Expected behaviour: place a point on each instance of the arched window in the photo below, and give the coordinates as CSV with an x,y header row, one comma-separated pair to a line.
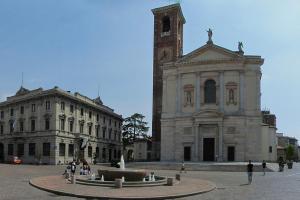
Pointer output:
x,y
166,24
210,91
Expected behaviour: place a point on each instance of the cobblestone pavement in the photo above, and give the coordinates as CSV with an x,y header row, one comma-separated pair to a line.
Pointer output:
x,y
230,185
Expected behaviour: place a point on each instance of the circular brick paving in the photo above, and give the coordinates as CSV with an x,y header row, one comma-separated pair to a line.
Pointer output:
x,y
186,187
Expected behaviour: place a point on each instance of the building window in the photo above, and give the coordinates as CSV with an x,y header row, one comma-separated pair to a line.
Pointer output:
x,y
20,150
90,151
2,114
71,108
270,149
10,149
71,150
115,153
71,126
62,124
32,125
103,153
166,24
31,149
210,91
1,129
46,149
90,114
62,106
110,122
115,135
62,149
11,126
47,105
119,153
47,124
97,153
81,111
81,128
104,120
109,133
22,110
11,112
90,129
21,126
103,132
115,123
97,130
97,117
33,108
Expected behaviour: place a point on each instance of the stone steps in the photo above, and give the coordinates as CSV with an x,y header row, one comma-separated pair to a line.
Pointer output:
x,y
226,167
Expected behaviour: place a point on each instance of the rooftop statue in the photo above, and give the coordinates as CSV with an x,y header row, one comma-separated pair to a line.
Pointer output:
x,y
209,33
240,47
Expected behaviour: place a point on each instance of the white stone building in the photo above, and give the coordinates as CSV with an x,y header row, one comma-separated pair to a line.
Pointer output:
x,y
48,126
210,97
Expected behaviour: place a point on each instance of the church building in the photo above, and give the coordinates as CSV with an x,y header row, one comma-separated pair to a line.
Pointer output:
x,y
206,104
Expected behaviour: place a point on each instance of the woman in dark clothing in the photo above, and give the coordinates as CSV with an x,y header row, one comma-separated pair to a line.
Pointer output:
x,y
250,172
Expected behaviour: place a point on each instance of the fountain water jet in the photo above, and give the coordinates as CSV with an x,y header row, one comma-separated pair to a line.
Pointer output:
x,y
122,163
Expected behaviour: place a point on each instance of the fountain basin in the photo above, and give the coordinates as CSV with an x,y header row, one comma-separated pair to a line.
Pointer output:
x,y
128,174
85,180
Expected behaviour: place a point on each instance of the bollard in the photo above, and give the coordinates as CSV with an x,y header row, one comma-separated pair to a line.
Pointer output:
x,y
170,181
118,183
73,179
178,177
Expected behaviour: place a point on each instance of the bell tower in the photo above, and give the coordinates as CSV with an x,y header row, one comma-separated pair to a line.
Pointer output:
x,y
168,40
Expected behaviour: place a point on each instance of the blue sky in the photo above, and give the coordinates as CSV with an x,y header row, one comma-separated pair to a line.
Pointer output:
x,y
80,44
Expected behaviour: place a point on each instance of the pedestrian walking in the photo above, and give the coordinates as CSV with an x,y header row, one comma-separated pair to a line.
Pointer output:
x,y
250,172
182,167
73,167
264,165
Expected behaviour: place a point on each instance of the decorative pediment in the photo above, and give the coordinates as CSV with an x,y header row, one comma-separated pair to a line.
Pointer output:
x,y
208,53
208,114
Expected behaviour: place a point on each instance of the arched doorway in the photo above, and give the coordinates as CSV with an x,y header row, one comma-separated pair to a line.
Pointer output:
x,y
1,152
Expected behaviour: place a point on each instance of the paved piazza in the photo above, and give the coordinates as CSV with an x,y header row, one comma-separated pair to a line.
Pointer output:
x,y
14,183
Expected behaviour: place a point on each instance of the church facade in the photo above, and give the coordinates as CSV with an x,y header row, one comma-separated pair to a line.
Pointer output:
x,y
210,98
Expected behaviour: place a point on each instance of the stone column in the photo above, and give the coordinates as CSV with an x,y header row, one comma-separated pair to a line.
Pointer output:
x,y
221,82
200,144
196,142
258,78
220,156
178,94
242,79
198,100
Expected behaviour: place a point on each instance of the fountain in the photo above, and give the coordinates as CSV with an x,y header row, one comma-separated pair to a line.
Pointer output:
x,y
128,174
129,177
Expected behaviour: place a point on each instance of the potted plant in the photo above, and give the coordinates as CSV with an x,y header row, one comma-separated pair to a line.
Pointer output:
x,y
289,156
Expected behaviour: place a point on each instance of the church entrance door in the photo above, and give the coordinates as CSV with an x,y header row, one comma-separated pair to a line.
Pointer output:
x,y
187,153
208,149
1,152
230,153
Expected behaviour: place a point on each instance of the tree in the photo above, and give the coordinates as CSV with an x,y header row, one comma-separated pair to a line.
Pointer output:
x,y
290,152
134,127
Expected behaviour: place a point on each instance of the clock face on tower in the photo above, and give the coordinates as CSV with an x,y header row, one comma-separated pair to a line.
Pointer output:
x,y
165,54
